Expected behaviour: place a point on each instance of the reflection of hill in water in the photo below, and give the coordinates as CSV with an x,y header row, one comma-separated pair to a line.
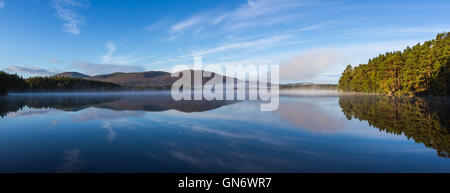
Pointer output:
x,y
141,102
426,120
161,103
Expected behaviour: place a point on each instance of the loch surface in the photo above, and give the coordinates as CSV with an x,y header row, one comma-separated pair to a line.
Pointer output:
x,y
150,132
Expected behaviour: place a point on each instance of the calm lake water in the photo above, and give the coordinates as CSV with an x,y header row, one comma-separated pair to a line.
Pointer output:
x,y
149,132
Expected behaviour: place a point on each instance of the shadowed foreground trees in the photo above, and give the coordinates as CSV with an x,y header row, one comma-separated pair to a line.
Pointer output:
x,y
15,83
422,69
424,119
10,82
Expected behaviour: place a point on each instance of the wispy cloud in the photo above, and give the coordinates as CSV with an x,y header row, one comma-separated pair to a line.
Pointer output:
x,y
66,12
164,22
263,8
187,23
110,58
31,70
111,49
110,63
240,45
253,13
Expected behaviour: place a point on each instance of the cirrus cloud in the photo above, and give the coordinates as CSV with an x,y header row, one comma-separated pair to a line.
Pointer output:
x,y
66,12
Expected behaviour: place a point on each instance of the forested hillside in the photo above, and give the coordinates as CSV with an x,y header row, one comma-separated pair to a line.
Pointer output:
x,y
422,69
15,83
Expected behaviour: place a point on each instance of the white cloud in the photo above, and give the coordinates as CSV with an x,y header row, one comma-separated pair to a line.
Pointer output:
x,y
31,70
65,11
311,64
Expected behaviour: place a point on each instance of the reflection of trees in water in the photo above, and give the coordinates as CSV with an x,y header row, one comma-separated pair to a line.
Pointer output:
x,y
426,120
141,102
67,103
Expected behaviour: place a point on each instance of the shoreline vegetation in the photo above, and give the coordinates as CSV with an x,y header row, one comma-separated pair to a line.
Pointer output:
x,y
421,70
15,83
77,82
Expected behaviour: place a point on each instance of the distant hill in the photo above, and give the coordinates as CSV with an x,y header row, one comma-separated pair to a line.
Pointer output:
x,y
150,78
164,80
71,75
309,86
146,80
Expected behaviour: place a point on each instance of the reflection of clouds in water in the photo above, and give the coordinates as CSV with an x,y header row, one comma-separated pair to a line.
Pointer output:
x,y
248,111
205,158
303,111
30,113
53,124
72,161
116,119
233,158
102,114
308,92
120,124
240,134
189,158
229,152
310,117
111,133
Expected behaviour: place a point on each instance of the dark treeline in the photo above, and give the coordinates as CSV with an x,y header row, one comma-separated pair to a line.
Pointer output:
x,y
9,82
15,83
424,119
422,69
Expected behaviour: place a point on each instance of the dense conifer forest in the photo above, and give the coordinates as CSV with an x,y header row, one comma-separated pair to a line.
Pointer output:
x,y
421,70
15,83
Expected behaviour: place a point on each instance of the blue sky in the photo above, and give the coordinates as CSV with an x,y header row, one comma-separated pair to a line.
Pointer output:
x,y
312,41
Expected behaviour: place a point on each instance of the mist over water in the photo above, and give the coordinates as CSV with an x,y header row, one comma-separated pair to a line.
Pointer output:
x,y
311,131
